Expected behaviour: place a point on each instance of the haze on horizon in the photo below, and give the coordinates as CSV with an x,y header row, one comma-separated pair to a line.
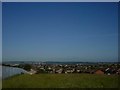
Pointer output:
x,y
60,31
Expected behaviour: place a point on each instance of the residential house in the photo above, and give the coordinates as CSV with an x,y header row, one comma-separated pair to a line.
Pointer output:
x,y
99,72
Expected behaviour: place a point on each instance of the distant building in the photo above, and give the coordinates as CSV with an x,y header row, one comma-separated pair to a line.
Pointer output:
x,y
59,71
118,72
32,72
70,70
99,72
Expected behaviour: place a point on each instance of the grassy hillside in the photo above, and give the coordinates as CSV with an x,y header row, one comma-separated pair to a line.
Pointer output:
x,y
61,81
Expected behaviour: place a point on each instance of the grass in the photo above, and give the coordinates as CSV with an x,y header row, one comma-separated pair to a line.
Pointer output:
x,y
61,81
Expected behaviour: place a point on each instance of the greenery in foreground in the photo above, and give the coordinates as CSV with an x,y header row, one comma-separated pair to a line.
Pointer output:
x,y
61,81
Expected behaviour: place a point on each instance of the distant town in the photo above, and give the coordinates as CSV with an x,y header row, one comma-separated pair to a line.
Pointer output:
x,y
71,67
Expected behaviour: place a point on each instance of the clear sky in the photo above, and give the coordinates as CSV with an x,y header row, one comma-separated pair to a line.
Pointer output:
x,y
60,31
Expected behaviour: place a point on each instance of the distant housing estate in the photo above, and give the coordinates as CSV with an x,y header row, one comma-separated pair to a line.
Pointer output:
x,y
37,68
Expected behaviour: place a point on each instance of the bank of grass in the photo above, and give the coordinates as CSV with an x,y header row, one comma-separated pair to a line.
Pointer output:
x,y
61,81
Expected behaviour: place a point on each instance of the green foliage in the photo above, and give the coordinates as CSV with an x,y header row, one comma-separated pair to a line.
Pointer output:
x,y
61,81
27,67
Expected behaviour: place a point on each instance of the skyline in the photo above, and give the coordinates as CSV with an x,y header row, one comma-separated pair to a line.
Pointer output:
x,y
85,31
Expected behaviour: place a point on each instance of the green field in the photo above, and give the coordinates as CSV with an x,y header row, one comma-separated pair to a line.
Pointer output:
x,y
61,81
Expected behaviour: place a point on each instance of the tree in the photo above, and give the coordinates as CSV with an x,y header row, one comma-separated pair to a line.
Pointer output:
x,y
40,71
27,67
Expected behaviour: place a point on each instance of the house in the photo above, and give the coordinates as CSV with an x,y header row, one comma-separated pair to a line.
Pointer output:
x,y
92,71
70,70
99,72
32,72
78,70
118,72
108,71
59,71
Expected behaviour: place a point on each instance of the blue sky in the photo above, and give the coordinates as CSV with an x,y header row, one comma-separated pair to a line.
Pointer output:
x,y
60,31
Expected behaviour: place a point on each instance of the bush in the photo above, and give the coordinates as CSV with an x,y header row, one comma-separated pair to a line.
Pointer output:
x,y
27,67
